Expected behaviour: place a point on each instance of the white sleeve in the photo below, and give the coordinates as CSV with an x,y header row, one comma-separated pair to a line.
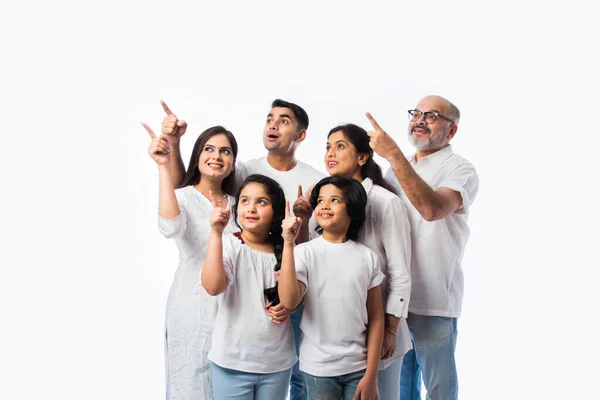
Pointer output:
x,y
174,227
376,275
465,181
395,236
300,259
229,258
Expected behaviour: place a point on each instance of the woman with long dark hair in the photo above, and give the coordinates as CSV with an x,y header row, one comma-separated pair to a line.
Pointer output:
x,y
184,215
386,231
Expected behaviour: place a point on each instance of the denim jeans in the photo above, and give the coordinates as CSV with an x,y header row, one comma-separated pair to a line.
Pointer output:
x,y
332,387
410,377
434,341
239,385
297,391
388,381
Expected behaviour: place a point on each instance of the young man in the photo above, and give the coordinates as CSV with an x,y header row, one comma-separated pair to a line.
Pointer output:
x,y
438,187
285,128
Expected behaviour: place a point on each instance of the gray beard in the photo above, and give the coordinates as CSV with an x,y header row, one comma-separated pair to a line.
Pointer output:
x,y
429,144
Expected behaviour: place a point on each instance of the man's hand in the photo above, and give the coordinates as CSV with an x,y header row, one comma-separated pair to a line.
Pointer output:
x,y
172,127
381,142
302,207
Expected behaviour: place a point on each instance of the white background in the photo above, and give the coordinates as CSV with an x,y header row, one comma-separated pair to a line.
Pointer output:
x,y
85,273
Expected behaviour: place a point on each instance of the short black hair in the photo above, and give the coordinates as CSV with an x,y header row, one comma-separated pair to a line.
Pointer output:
x,y
299,113
355,197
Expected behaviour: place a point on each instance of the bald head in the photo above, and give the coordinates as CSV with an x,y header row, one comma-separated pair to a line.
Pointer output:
x,y
444,106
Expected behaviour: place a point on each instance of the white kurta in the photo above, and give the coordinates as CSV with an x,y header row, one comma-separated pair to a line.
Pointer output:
x,y
190,312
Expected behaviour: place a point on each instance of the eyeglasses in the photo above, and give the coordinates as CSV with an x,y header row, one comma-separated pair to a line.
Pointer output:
x,y
430,116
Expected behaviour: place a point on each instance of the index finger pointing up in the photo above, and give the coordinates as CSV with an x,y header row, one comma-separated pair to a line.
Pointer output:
x,y
372,121
167,109
149,130
287,208
299,190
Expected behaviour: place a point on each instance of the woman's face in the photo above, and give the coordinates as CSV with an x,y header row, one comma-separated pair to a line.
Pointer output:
x,y
342,157
216,158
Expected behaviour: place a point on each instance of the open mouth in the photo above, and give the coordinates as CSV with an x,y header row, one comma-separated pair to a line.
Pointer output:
x,y
272,136
214,166
326,215
331,164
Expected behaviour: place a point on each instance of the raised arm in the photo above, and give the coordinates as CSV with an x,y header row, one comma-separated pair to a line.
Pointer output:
x,y
431,204
213,277
173,129
291,291
159,150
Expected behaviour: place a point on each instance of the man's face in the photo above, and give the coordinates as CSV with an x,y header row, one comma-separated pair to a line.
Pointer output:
x,y
430,136
280,131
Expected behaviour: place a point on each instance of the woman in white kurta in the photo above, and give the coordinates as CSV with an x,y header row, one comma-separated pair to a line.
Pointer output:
x,y
184,214
387,232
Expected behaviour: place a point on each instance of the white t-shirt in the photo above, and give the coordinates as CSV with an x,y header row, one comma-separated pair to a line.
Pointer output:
x,y
334,324
244,337
438,246
386,231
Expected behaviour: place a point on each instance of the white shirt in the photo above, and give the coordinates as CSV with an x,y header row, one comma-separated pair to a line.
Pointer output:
x,y
386,231
334,324
438,246
244,338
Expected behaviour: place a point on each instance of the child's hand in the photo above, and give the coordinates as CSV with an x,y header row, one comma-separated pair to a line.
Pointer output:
x,y
366,390
159,147
219,218
290,225
279,314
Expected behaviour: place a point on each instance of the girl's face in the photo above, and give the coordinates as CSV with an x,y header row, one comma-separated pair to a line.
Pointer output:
x,y
216,158
331,212
341,157
255,212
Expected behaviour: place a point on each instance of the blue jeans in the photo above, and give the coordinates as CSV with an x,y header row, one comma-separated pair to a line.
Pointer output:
x,y
410,377
434,341
388,384
333,387
297,391
239,385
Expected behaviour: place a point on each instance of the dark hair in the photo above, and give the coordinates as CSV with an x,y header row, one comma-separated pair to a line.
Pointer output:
x,y
355,197
275,193
299,113
192,175
360,139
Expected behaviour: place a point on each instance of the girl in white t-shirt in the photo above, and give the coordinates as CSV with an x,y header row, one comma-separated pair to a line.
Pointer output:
x,y
252,343
339,280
